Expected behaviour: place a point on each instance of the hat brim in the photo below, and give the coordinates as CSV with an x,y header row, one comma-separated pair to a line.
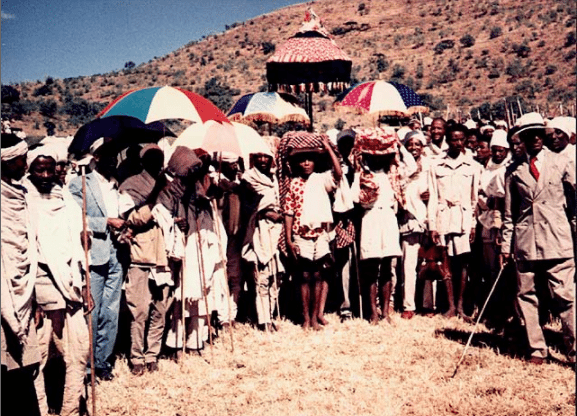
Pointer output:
x,y
528,127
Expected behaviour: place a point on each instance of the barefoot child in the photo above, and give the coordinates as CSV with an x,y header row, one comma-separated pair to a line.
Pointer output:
x,y
308,214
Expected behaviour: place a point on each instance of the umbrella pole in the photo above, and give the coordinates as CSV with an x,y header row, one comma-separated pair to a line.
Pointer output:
x,y
88,290
310,108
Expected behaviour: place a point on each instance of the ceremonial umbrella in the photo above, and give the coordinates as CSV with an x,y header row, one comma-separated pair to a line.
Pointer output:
x,y
161,103
124,130
212,137
308,62
380,98
270,107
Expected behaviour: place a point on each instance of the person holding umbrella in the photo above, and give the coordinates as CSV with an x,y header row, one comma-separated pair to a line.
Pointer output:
x,y
104,207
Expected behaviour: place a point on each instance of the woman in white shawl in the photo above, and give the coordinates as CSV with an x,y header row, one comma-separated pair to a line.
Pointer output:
x,y
261,242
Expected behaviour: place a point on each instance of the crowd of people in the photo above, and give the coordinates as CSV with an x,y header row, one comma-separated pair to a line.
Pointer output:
x,y
365,222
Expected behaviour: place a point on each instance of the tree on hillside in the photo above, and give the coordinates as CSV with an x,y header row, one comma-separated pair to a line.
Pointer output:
x,y
219,93
9,94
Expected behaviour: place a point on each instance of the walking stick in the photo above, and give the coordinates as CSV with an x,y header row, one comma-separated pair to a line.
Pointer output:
x,y
204,285
358,277
223,257
478,320
88,290
182,311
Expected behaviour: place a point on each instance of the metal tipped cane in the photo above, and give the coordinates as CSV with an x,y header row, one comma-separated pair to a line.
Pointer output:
x,y
478,320
88,290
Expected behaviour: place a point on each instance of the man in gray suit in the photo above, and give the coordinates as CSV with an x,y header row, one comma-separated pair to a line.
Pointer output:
x,y
104,206
537,231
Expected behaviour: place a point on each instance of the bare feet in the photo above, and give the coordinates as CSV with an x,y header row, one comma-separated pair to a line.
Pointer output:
x,y
315,325
307,325
322,320
464,317
388,320
374,320
450,313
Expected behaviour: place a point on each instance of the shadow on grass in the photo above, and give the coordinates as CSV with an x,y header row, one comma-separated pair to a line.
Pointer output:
x,y
512,343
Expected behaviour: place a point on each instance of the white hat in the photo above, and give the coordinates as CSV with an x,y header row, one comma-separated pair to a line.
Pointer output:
x,y
529,121
501,123
470,124
559,123
571,123
427,121
499,139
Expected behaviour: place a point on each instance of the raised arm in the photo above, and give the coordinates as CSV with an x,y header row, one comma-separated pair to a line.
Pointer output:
x,y
337,170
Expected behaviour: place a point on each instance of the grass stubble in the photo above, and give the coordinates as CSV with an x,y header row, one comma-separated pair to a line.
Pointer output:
x,y
349,368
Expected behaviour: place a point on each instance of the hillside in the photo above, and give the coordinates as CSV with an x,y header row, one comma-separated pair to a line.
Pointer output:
x,y
462,54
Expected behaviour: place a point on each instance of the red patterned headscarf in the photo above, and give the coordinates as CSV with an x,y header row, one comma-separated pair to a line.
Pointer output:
x,y
377,141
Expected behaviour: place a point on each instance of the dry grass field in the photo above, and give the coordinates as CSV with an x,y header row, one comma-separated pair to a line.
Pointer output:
x,y
349,368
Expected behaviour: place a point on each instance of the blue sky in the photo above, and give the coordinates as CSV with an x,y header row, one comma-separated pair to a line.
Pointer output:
x,y
69,38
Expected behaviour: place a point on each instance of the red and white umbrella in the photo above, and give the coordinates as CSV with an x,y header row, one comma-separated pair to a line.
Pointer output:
x,y
212,137
380,98
162,103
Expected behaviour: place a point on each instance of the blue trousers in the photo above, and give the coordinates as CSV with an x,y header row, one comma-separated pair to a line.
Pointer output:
x,y
106,288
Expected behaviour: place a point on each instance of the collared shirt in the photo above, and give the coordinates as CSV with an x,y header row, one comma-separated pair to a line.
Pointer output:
x,y
538,160
115,203
453,188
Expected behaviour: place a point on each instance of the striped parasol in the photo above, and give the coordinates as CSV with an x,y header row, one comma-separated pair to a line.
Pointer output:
x,y
270,107
381,98
161,103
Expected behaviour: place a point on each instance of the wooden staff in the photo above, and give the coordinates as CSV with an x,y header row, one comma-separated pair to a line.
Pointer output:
x,y
356,258
203,278
507,116
88,290
520,108
478,320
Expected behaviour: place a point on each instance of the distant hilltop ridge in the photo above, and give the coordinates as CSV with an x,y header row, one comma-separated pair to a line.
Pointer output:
x,y
464,57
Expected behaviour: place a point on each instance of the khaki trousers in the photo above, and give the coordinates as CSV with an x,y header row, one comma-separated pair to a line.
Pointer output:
x,y
410,244
148,304
559,275
68,330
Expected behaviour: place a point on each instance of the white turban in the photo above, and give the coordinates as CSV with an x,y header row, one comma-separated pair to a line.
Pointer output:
x,y
416,134
42,150
470,124
9,153
486,127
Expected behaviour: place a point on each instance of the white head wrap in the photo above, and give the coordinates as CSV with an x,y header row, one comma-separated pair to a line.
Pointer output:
x,y
416,134
486,127
43,150
9,153
499,139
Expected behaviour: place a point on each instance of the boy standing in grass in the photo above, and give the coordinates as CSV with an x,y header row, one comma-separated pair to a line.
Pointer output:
x,y
308,214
